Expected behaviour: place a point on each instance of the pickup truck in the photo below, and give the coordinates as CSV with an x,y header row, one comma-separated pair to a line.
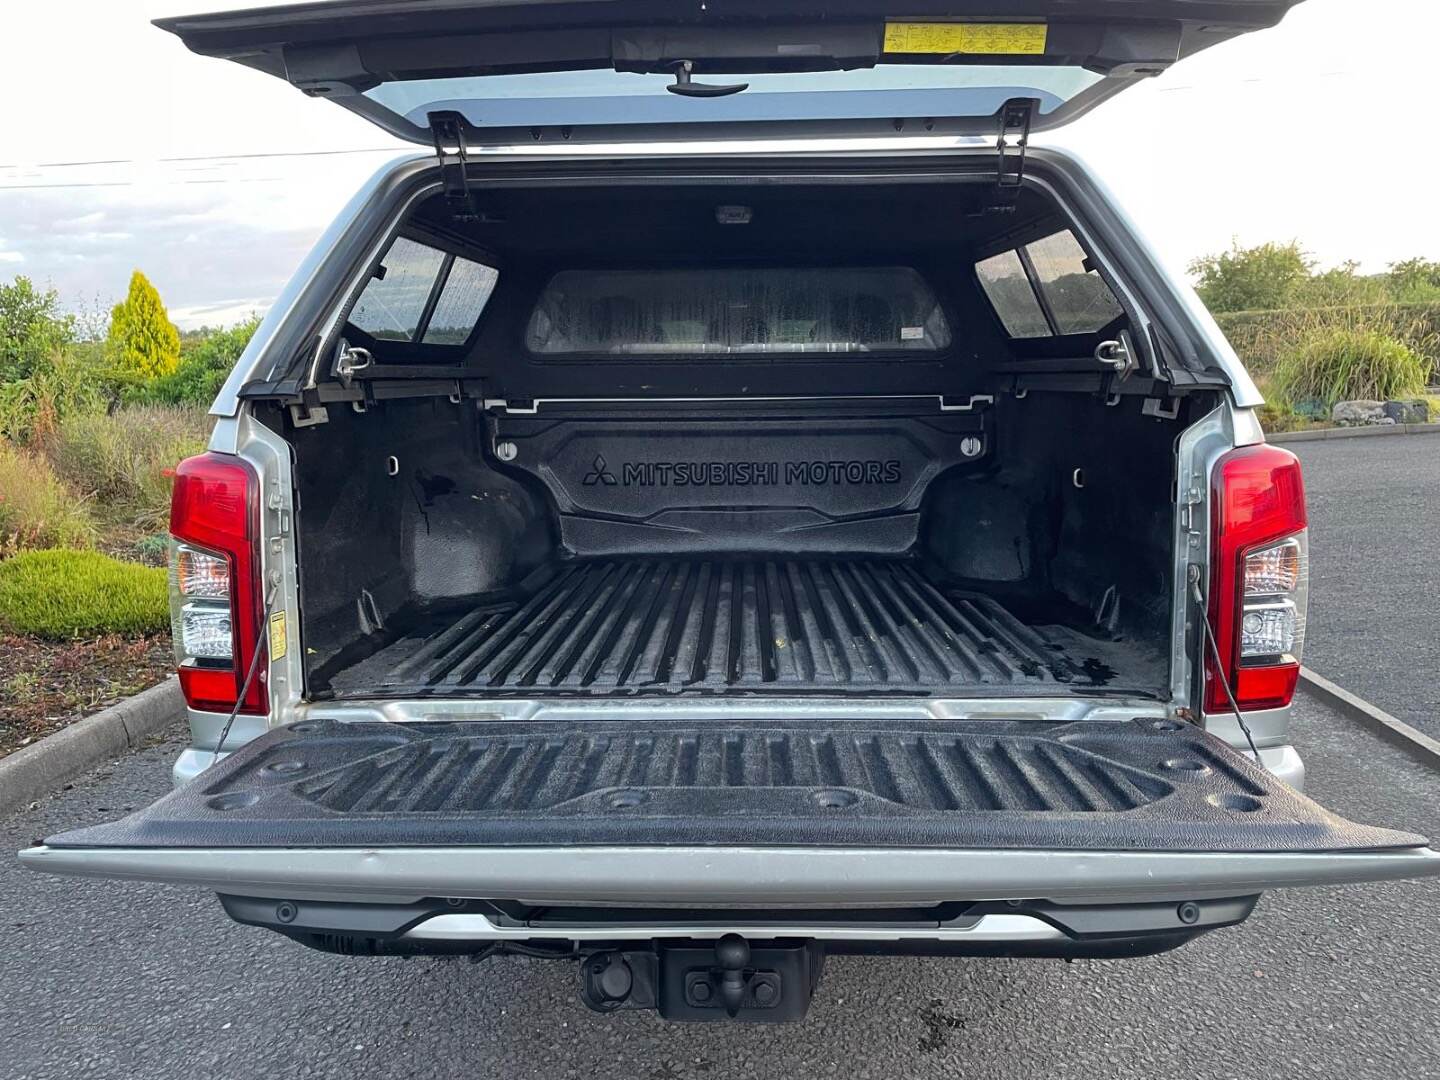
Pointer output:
x,y
731,499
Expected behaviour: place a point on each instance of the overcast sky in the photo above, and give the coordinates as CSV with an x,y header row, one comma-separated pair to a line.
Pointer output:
x,y
1321,130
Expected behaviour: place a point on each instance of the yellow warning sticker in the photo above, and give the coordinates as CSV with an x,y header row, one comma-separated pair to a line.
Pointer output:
x,y
1000,39
279,639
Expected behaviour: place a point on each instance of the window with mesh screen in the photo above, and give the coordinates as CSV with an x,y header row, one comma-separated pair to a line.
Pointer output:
x,y
1047,288
731,310
462,299
1079,298
1012,296
422,294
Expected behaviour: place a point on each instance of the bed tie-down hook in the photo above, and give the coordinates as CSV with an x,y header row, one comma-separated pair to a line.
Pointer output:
x,y
351,361
1117,354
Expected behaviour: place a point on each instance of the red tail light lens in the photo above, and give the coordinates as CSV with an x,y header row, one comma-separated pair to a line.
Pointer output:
x,y
215,597
1259,578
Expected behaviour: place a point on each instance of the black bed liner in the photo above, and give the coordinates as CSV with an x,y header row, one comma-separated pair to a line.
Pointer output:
x,y
647,625
1144,785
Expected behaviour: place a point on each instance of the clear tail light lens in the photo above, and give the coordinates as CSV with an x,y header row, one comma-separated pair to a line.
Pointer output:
x,y
1276,569
1259,578
203,632
215,600
199,574
1269,630
200,622
1276,594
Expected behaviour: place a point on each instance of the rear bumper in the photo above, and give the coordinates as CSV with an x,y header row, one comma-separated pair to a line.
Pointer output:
x,y
1285,764
748,876
1031,928
991,929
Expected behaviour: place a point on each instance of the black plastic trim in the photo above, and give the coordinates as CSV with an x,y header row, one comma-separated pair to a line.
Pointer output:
x,y
1091,930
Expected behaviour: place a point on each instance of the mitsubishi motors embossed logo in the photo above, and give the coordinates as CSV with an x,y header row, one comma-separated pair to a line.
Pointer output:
x,y
599,473
742,473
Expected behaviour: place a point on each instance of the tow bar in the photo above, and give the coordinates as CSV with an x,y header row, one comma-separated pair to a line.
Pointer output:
x,y
729,980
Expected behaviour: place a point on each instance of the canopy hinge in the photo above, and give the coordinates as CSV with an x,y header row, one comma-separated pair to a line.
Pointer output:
x,y
448,130
1014,121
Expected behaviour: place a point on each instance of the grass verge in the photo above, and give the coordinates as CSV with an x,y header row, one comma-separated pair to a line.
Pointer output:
x,y
45,685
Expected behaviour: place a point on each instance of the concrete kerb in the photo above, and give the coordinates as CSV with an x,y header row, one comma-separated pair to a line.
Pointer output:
x,y
1392,729
1316,434
45,766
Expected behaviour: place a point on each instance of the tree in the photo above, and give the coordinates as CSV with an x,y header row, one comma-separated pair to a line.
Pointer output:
x,y
32,328
1261,278
143,342
1340,286
1416,280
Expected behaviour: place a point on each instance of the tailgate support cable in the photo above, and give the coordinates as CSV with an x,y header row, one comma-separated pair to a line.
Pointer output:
x,y
251,673
1214,649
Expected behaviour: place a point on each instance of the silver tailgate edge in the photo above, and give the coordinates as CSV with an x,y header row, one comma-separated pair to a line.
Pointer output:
x,y
730,875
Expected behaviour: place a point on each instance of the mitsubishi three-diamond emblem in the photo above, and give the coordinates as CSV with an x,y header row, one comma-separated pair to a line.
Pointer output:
x,y
599,474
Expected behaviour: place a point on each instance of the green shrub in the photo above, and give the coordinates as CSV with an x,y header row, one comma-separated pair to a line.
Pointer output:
x,y
32,328
1277,416
1338,365
1242,279
61,594
124,459
1279,277
154,549
1414,281
70,380
1262,337
206,358
36,509
1341,286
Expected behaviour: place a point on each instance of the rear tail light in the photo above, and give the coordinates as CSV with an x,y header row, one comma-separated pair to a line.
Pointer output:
x,y
215,597
1259,578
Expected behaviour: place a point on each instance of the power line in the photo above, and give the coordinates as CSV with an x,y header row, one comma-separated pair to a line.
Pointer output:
x,y
19,177
1206,85
292,154
207,157
134,183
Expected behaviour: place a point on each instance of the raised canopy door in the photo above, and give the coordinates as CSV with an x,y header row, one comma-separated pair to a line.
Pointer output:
x,y
505,72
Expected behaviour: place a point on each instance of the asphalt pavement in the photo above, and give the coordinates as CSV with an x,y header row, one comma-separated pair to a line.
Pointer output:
x,y
121,980
1375,570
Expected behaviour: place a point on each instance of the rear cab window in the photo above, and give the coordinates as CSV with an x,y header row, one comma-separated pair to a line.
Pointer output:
x,y
1047,288
731,311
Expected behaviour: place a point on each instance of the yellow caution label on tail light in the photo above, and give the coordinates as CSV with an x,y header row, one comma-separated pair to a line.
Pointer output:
x,y
279,639
1000,39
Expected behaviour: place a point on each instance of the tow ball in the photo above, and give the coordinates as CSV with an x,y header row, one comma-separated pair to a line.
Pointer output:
x,y
729,984
697,981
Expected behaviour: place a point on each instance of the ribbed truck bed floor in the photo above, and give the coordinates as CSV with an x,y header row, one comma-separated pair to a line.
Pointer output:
x,y
676,625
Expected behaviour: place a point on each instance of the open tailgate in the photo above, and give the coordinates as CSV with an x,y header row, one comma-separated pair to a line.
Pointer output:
x,y
831,812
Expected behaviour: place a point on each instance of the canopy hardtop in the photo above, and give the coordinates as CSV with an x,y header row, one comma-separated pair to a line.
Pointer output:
x,y
524,71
